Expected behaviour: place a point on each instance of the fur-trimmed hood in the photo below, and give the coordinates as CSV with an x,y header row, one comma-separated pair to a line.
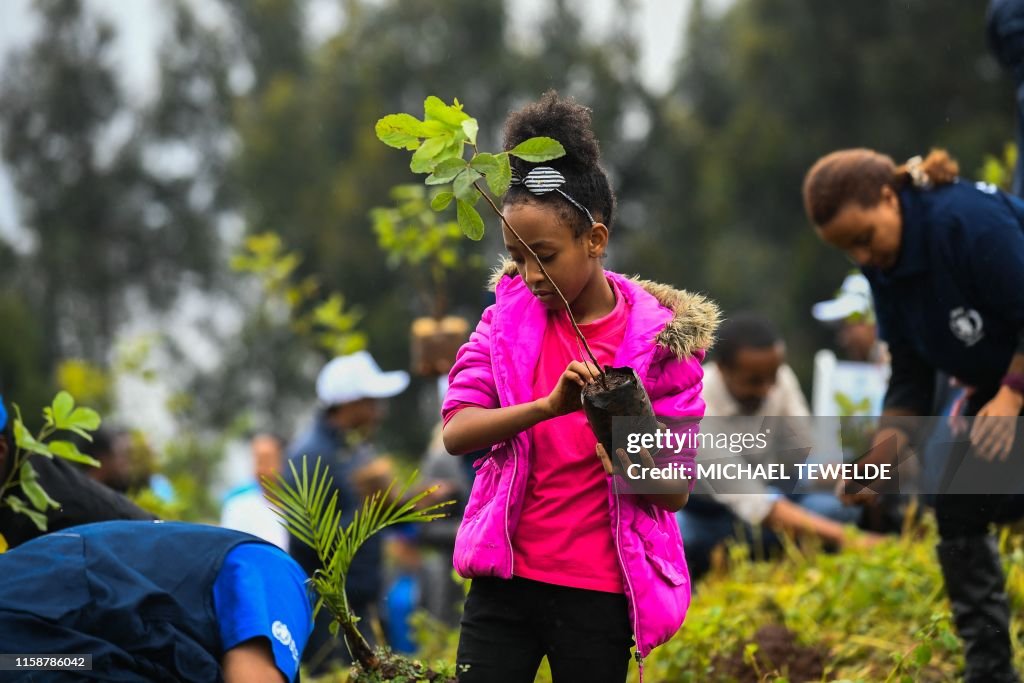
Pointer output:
x,y
692,327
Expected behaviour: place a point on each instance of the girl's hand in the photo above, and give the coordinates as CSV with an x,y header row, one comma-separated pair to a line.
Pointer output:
x,y
622,461
994,427
671,495
566,397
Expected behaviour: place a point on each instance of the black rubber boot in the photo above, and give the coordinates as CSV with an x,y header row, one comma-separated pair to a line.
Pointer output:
x,y
981,612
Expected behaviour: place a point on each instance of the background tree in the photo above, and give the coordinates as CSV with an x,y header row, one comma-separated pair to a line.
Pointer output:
x,y
120,199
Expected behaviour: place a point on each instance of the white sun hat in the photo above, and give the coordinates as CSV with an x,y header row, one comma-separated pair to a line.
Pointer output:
x,y
357,376
853,298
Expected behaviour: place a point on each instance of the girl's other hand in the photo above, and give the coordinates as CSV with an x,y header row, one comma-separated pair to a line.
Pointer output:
x,y
566,397
995,425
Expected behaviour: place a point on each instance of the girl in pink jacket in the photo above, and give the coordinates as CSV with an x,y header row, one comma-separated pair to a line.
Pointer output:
x,y
564,564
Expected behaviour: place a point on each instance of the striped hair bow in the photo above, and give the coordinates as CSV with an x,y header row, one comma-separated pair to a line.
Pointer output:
x,y
544,179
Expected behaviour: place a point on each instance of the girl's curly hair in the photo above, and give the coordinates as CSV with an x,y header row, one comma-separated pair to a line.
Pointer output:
x,y
569,122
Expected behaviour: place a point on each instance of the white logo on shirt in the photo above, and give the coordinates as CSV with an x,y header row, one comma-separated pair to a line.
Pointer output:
x,y
284,636
967,325
987,188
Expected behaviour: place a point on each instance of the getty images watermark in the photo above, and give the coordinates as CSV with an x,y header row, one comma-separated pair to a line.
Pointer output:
x,y
732,455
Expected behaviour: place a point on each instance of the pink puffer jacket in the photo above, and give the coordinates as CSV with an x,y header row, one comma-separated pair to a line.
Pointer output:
x,y
665,341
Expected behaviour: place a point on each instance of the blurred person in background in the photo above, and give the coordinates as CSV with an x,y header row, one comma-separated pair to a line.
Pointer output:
x,y
1005,31
863,372
350,390
945,259
420,573
113,450
245,508
440,594
749,375
750,378
82,499
853,387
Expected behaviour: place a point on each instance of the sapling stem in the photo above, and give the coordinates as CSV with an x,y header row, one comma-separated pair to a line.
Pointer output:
x,y
558,291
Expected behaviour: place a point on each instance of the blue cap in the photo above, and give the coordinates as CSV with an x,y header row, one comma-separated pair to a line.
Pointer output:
x,y
3,413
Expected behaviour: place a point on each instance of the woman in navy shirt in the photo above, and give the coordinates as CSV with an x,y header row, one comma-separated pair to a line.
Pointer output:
x,y
945,259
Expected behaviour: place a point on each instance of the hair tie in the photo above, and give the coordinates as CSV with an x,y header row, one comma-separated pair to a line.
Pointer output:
x,y
543,179
918,176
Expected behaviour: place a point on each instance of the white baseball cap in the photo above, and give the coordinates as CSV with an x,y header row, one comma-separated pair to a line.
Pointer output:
x,y
853,297
356,376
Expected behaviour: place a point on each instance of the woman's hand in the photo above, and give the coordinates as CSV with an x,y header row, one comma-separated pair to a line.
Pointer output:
x,y
886,447
565,398
995,425
851,493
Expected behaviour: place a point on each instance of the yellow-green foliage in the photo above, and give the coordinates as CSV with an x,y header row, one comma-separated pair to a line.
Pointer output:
x,y
881,614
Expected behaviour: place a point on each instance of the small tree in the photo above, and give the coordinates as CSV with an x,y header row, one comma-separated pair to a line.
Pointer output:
x,y
309,510
438,144
325,323
416,239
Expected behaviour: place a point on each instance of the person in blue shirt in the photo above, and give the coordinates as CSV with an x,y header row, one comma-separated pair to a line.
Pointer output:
x,y
155,601
945,259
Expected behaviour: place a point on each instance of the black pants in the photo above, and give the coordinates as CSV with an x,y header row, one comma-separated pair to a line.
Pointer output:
x,y
509,625
963,516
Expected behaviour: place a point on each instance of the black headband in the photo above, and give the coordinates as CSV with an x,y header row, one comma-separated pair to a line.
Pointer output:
x,y
543,179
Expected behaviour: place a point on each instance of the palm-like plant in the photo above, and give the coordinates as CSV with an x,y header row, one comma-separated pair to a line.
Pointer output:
x,y
309,510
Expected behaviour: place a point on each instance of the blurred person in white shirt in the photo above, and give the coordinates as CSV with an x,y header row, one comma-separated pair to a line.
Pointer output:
x,y
245,508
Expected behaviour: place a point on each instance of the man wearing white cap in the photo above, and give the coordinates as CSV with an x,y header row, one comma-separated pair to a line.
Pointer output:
x,y
861,378
350,390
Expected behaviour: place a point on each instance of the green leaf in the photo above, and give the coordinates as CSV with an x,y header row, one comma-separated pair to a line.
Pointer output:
x,y
423,158
29,481
538,149
470,127
69,451
84,418
486,163
432,129
446,171
922,654
63,404
26,442
399,130
499,182
452,116
18,505
470,222
441,201
464,188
